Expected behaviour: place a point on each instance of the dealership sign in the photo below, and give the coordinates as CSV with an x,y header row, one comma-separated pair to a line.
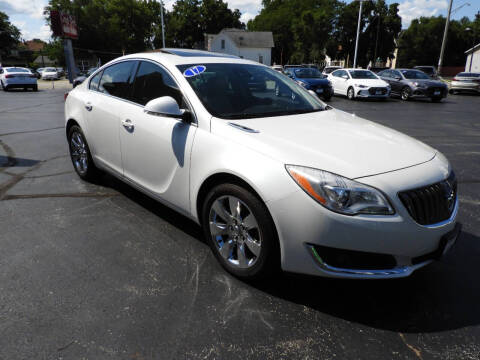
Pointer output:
x,y
63,24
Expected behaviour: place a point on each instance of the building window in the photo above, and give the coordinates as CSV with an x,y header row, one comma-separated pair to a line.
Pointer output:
x,y
223,44
260,59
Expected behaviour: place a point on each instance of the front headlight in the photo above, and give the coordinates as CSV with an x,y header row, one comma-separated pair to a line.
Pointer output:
x,y
361,86
340,194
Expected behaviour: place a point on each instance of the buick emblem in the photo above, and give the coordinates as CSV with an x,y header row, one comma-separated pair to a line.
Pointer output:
x,y
449,195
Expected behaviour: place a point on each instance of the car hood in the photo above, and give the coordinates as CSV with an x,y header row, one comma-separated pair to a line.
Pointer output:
x,y
330,140
370,82
314,81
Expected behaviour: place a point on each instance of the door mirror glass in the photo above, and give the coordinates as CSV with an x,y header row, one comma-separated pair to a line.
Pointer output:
x,y
166,106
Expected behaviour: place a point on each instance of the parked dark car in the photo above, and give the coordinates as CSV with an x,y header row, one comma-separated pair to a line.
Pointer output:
x,y
412,83
36,73
429,70
312,79
80,79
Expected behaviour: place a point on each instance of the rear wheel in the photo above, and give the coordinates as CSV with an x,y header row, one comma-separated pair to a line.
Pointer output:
x,y
351,93
406,93
35,88
4,88
240,231
80,154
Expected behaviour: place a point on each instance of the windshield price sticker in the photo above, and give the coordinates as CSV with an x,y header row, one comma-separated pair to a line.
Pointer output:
x,y
194,71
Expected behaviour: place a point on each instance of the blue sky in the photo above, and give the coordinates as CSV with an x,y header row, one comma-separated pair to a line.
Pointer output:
x,y
27,14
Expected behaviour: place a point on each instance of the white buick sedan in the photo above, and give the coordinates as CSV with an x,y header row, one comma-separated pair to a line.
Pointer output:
x,y
358,83
275,178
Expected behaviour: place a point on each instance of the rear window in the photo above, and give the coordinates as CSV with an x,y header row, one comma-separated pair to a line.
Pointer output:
x,y
468,75
17,70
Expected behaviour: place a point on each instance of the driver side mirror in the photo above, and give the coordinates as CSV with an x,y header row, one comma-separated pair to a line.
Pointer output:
x,y
167,106
345,77
397,77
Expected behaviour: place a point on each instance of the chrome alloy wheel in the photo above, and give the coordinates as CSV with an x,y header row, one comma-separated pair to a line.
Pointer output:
x,y
235,231
79,153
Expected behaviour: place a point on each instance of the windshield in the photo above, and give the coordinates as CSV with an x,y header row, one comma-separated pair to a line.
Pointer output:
x,y
242,91
20,70
362,74
414,74
308,73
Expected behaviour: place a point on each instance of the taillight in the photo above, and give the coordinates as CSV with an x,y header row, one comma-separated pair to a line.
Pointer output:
x,y
65,96
9,76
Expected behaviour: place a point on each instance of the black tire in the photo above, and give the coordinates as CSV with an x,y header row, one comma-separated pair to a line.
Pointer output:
x,y
25,89
436,99
351,93
89,172
268,260
35,88
451,91
405,93
4,88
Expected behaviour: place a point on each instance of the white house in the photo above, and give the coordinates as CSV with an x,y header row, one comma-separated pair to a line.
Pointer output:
x,y
473,59
251,45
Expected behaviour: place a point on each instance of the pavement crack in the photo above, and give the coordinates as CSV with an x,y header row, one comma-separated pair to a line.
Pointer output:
x,y
32,131
417,352
49,175
58,195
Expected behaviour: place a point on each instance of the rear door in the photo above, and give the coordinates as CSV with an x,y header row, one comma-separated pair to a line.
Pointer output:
x,y
396,81
102,108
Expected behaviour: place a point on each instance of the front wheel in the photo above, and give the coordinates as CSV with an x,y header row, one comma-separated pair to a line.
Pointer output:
x,y
406,93
241,232
351,93
80,154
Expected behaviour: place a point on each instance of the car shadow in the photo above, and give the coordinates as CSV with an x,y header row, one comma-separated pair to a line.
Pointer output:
x,y
442,296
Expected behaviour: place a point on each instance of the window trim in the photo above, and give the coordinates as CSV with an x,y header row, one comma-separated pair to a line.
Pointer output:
x,y
138,60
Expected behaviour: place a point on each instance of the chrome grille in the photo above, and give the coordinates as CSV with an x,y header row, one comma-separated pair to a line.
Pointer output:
x,y
433,203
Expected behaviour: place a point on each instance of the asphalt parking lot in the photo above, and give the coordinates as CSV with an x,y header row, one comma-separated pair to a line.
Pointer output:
x,y
103,272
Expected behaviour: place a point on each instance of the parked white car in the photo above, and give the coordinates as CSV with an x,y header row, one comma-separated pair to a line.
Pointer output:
x,y
358,83
50,73
17,77
274,178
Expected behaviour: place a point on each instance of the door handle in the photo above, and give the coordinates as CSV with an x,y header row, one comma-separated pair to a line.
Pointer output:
x,y
128,124
88,106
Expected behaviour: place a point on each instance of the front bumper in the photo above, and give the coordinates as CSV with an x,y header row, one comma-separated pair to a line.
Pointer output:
x,y
430,92
303,225
374,93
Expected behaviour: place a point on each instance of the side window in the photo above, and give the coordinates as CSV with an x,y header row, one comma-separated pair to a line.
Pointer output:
x,y
336,73
152,82
95,81
394,74
116,79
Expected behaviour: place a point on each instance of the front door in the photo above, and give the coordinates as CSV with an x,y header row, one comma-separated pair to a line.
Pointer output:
x,y
156,149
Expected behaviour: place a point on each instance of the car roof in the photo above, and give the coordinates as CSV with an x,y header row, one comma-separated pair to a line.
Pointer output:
x,y
186,56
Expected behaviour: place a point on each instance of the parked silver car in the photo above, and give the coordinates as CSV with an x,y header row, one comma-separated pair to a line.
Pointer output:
x,y
465,82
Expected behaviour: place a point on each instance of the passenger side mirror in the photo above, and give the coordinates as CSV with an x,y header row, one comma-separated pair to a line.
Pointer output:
x,y
397,77
167,106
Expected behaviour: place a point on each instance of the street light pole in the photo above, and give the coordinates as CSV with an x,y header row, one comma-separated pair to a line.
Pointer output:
x,y
444,42
358,33
163,24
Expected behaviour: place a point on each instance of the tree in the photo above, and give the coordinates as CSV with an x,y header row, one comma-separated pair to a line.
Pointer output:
x,y
301,28
112,27
9,35
420,43
191,19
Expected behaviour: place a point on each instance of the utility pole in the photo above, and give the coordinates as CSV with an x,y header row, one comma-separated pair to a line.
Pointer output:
x,y
163,24
444,42
358,33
